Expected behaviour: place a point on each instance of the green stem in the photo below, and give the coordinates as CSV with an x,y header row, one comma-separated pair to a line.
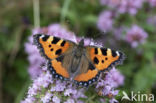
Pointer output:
x,y
36,13
22,92
65,10
1,93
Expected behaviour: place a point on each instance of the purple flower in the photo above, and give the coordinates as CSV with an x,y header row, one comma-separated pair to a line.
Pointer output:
x,y
46,98
105,21
56,99
113,100
152,2
136,35
123,6
60,86
118,33
115,77
152,20
59,31
69,91
108,82
29,100
102,100
47,88
70,101
34,58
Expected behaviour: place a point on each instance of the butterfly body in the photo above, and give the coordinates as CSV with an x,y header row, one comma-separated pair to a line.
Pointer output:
x,y
70,61
76,61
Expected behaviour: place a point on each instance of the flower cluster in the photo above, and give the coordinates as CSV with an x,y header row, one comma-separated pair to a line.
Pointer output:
x,y
34,58
136,35
105,21
108,82
124,6
46,89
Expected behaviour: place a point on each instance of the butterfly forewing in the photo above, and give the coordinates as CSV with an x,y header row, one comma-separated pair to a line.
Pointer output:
x,y
104,58
51,47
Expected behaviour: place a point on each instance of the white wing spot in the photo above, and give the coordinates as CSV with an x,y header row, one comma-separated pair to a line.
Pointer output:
x,y
117,53
42,36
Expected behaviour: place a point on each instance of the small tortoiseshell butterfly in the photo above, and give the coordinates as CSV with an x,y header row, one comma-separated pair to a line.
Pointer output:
x,y
68,60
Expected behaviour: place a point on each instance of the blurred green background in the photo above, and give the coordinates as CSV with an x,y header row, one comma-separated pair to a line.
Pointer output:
x,y
80,16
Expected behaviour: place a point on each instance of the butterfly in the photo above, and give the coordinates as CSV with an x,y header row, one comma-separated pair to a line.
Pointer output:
x,y
76,62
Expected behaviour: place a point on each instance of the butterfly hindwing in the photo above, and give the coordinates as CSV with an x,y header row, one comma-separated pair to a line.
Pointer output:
x,y
104,58
87,78
56,68
51,47
88,74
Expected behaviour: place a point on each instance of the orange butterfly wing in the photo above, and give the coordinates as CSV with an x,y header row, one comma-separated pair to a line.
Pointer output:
x,y
51,47
57,70
88,78
104,58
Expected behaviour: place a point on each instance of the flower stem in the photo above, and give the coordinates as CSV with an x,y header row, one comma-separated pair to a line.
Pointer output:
x,y
64,10
1,95
36,13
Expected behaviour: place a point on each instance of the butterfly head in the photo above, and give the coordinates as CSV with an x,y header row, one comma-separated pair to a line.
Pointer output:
x,y
81,43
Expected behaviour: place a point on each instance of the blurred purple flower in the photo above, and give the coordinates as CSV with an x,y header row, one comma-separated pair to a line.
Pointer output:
x,y
118,32
152,2
70,101
136,35
56,99
123,6
29,100
102,100
152,20
105,21
34,58
113,100
108,82
59,31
